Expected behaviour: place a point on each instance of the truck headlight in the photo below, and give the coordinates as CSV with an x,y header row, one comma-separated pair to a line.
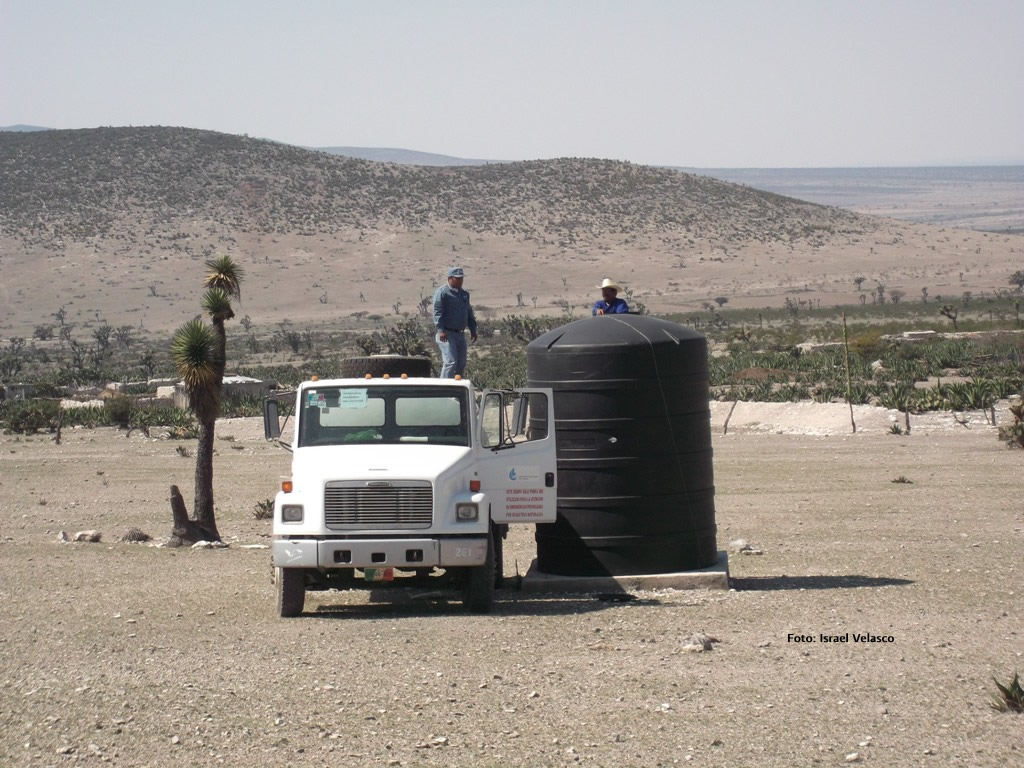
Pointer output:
x,y
291,513
467,511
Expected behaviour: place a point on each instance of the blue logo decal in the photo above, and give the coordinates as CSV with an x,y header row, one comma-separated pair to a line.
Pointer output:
x,y
512,474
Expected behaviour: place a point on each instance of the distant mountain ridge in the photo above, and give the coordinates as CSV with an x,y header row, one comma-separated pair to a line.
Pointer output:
x,y
23,128
402,156
97,182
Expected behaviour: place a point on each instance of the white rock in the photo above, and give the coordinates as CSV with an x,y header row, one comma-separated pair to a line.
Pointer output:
x,y
62,537
90,536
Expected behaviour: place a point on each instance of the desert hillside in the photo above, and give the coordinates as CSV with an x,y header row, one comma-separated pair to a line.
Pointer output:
x,y
98,182
115,223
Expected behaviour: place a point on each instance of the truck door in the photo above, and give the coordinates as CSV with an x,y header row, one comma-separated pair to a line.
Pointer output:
x,y
515,445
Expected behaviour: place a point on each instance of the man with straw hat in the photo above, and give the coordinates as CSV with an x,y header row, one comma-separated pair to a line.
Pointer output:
x,y
610,304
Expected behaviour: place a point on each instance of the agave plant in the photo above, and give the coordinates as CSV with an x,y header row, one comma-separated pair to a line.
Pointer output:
x,y
931,399
860,394
1011,696
957,395
790,393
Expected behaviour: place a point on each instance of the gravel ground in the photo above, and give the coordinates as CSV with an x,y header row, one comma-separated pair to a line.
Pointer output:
x,y
137,655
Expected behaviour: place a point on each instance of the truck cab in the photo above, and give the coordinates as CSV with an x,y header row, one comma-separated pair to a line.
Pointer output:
x,y
403,481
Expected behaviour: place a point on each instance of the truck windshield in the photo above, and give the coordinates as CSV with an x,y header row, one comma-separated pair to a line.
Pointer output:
x,y
382,415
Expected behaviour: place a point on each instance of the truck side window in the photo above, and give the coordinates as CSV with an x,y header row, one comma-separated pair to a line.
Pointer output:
x,y
528,419
491,420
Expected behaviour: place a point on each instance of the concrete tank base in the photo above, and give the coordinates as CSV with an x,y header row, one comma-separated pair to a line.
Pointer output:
x,y
712,577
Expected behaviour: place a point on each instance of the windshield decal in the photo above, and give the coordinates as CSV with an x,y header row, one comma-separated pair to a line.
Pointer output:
x,y
352,398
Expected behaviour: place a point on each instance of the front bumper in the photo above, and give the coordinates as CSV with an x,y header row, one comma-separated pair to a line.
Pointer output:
x,y
379,553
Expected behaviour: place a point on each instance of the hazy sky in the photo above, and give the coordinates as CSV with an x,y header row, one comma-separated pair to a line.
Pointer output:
x,y
703,83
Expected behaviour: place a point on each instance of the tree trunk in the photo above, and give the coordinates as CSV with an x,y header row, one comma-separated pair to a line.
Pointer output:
x,y
185,531
204,478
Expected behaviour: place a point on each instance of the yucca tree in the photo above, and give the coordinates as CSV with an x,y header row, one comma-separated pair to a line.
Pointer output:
x,y
223,282
194,351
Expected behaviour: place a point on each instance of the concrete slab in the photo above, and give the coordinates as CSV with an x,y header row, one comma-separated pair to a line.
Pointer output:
x,y
713,577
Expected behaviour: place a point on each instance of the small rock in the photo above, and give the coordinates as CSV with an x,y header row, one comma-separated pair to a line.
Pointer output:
x,y
440,741
62,537
738,545
90,536
264,546
764,644
882,710
175,739
698,643
853,757
751,551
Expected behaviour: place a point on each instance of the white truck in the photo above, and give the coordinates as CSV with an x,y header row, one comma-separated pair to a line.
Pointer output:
x,y
405,481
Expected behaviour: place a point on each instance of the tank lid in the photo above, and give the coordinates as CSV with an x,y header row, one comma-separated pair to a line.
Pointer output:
x,y
615,330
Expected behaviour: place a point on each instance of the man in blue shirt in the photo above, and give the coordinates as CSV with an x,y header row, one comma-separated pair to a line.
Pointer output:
x,y
610,304
453,315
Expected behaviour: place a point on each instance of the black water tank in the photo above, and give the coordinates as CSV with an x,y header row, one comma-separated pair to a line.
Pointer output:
x,y
633,434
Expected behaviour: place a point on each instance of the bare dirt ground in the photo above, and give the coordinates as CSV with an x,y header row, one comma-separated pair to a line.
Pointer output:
x,y
141,656
303,282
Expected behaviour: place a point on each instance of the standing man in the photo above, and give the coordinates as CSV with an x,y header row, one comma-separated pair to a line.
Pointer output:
x,y
610,304
452,316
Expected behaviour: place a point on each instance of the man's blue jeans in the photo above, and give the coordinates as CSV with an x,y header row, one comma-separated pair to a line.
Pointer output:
x,y
453,354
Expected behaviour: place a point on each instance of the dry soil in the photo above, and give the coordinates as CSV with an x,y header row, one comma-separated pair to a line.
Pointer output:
x,y
142,656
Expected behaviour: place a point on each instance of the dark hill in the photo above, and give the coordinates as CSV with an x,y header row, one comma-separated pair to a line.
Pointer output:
x,y
61,186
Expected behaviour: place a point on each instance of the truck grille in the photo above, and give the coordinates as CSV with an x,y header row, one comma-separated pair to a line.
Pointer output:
x,y
397,504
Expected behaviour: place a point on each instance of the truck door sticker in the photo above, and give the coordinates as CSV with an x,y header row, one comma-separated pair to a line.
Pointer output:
x,y
524,503
529,473
352,398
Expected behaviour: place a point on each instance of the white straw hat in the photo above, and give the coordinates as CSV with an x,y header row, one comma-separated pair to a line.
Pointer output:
x,y
609,283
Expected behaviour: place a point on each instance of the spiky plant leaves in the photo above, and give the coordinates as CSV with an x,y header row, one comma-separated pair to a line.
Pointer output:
x,y
217,304
1011,697
194,353
225,274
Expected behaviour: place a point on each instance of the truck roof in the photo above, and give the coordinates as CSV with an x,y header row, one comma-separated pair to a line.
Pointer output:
x,y
381,381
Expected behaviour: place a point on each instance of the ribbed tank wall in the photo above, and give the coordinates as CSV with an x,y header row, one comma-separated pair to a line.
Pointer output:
x,y
633,436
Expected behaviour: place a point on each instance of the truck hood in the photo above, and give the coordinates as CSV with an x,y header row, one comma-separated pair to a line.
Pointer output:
x,y
409,461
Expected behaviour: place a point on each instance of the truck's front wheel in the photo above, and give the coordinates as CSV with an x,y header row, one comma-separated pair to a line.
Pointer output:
x,y
479,589
291,591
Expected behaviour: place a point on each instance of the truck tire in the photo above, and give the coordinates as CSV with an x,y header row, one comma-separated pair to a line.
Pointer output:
x,y
291,591
392,365
479,588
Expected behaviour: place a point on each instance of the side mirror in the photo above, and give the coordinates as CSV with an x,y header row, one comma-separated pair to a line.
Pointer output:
x,y
271,420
